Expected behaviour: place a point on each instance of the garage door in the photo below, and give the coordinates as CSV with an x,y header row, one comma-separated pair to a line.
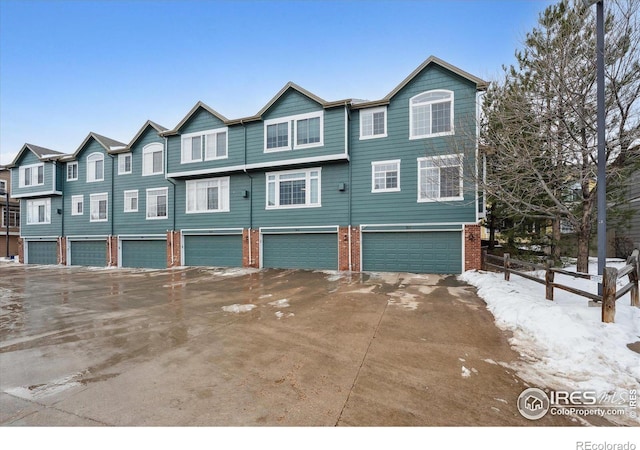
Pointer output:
x,y
214,251
415,252
42,252
88,253
151,254
300,251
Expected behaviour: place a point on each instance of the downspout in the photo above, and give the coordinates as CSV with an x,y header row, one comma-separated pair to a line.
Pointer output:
x,y
111,210
173,215
55,170
244,129
347,136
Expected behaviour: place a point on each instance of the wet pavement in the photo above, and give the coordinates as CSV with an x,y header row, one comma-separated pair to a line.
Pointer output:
x,y
214,347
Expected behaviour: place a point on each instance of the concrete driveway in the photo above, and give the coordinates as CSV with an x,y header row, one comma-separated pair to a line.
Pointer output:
x,y
207,347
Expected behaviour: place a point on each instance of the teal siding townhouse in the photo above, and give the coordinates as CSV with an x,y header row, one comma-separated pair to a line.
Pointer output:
x,y
305,183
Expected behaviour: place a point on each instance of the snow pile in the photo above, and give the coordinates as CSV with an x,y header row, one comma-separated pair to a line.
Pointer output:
x,y
282,303
564,343
237,308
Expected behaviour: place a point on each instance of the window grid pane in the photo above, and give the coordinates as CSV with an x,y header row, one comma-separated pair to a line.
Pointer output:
x,y
441,117
378,123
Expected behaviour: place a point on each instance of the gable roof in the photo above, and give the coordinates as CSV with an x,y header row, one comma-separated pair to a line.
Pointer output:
x,y
481,85
191,113
42,153
148,124
108,144
312,96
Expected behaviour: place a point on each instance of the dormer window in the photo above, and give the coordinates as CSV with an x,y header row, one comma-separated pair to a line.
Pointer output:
x,y
431,114
95,167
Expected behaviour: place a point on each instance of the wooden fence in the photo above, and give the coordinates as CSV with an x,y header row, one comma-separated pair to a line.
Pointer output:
x,y
610,291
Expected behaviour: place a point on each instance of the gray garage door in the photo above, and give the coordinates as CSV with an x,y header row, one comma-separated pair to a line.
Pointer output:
x,y
147,253
42,252
214,251
88,253
300,251
414,252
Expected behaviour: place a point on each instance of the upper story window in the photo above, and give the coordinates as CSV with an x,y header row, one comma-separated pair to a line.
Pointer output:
x,y
157,203
385,176
373,123
207,145
440,178
32,175
77,205
95,167
131,201
99,207
3,186
431,114
124,163
72,171
39,211
208,195
293,189
152,159
294,132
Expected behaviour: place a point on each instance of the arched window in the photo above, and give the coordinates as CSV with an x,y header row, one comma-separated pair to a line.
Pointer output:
x,y
431,114
95,167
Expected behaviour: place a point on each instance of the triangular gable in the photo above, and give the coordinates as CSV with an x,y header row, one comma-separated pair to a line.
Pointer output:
x,y
148,124
42,153
481,85
110,145
290,85
195,109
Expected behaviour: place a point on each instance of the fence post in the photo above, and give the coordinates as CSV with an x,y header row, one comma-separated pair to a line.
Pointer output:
x,y
548,281
634,259
609,279
483,259
507,266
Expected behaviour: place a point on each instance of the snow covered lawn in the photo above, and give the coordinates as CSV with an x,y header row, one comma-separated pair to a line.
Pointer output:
x,y
564,343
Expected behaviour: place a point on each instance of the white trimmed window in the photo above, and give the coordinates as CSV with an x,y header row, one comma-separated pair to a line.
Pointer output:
x,y
152,159
431,114
39,211
294,132
32,175
14,218
373,123
72,171
157,203
124,163
440,178
208,195
77,205
99,207
131,201
207,145
385,176
95,167
293,189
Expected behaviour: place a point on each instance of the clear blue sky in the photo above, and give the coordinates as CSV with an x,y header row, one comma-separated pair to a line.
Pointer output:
x,y
71,67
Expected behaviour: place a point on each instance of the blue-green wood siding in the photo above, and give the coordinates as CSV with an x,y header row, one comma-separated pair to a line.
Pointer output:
x,y
81,225
136,222
52,229
28,158
402,206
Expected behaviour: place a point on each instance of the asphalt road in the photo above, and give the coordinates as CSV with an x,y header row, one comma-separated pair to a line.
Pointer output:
x,y
213,347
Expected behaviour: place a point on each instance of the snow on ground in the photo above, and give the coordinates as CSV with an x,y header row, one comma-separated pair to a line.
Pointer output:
x,y
564,343
237,308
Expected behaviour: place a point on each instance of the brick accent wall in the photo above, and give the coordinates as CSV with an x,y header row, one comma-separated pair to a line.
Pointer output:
x,y
112,246
343,248
62,251
20,250
250,259
355,249
173,249
472,248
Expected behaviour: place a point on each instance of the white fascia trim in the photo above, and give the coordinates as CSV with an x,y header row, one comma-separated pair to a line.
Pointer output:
x,y
329,228
36,194
208,230
243,167
133,237
88,237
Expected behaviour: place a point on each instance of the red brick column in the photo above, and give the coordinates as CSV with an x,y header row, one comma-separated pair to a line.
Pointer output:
x,y
20,251
250,240
355,249
343,248
173,248
112,246
472,248
62,251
